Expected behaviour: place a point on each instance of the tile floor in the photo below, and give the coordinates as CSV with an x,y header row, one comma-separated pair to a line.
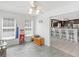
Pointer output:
x,y
32,50
66,46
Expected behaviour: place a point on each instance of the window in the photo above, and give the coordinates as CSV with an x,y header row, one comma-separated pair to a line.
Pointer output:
x,y
28,27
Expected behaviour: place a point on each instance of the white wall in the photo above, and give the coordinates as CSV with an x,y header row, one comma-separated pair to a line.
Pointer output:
x,y
65,11
19,18
43,28
20,22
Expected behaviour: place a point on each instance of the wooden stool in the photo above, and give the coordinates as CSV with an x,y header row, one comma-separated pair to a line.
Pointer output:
x,y
38,40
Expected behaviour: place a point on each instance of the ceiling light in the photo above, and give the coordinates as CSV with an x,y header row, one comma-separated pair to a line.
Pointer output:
x,y
34,10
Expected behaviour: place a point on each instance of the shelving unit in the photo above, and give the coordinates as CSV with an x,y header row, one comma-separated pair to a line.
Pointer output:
x,y
8,28
28,28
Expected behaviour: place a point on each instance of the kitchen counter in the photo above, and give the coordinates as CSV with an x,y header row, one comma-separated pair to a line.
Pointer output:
x,y
71,34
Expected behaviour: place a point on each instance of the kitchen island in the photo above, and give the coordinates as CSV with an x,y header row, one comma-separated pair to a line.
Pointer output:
x,y
70,34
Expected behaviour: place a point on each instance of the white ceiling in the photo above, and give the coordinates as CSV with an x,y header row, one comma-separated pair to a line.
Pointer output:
x,y
23,6
14,6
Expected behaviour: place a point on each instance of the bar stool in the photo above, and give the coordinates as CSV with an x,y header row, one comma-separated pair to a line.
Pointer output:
x,y
57,33
52,32
71,34
75,35
63,34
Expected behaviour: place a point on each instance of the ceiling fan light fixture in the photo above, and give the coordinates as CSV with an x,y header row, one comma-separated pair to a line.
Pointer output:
x,y
34,10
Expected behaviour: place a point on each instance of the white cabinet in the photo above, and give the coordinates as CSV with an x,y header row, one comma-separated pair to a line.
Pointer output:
x,y
8,28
